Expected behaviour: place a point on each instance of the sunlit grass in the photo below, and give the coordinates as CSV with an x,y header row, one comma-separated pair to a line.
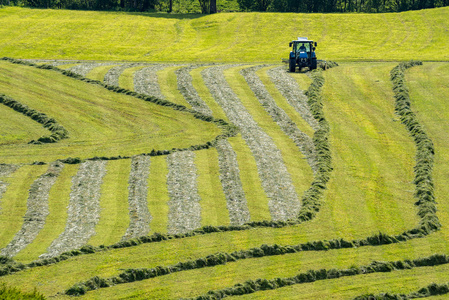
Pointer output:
x,y
223,37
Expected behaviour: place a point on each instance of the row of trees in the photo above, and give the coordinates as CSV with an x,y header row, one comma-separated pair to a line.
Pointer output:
x,y
210,6
370,6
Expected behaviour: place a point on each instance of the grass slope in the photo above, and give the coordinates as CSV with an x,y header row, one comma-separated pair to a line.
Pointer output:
x,y
224,37
370,191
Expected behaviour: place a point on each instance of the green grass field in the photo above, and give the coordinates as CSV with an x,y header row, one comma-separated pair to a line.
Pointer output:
x,y
371,187
227,37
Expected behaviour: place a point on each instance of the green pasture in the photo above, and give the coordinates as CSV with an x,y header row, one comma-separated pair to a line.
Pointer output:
x,y
99,122
223,37
370,190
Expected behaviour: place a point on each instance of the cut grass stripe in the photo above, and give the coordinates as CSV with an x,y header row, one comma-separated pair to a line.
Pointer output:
x,y
232,184
83,210
257,200
87,69
158,194
278,115
188,91
265,75
168,85
126,79
146,81
139,215
55,223
114,218
205,95
293,93
99,71
213,201
14,200
37,210
185,210
112,77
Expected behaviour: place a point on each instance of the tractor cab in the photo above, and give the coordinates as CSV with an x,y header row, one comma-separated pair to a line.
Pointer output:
x,y
302,54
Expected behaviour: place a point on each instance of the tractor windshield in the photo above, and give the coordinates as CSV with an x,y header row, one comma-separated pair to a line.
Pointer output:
x,y
302,47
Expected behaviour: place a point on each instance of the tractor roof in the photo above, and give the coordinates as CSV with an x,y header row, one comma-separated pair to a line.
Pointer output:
x,y
302,40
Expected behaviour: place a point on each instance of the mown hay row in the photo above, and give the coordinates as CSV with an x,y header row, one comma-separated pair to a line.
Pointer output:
x,y
302,140
113,75
424,187
37,210
84,68
146,81
276,180
432,289
312,199
139,214
52,62
184,208
289,88
252,286
232,185
188,91
83,211
227,159
57,131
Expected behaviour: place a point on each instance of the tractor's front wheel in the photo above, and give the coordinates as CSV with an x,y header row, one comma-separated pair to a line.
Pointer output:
x,y
292,65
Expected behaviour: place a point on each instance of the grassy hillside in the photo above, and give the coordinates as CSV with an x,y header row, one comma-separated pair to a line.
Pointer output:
x,y
224,37
371,187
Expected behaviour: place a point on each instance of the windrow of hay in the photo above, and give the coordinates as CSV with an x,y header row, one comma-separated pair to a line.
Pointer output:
x,y
146,81
139,214
227,159
276,181
252,286
113,74
433,289
184,206
302,140
84,68
57,131
188,91
83,211
232,184
289,88
8,292
424,187
37,210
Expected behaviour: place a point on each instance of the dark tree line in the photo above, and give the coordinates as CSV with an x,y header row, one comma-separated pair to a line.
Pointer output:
x,y
210,6
127,5
370,6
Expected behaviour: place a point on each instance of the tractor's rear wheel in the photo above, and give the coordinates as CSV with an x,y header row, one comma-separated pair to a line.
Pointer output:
x,y
314,64
292,65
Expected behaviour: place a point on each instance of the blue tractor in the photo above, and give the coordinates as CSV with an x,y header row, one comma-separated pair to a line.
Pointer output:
x,y
302,54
